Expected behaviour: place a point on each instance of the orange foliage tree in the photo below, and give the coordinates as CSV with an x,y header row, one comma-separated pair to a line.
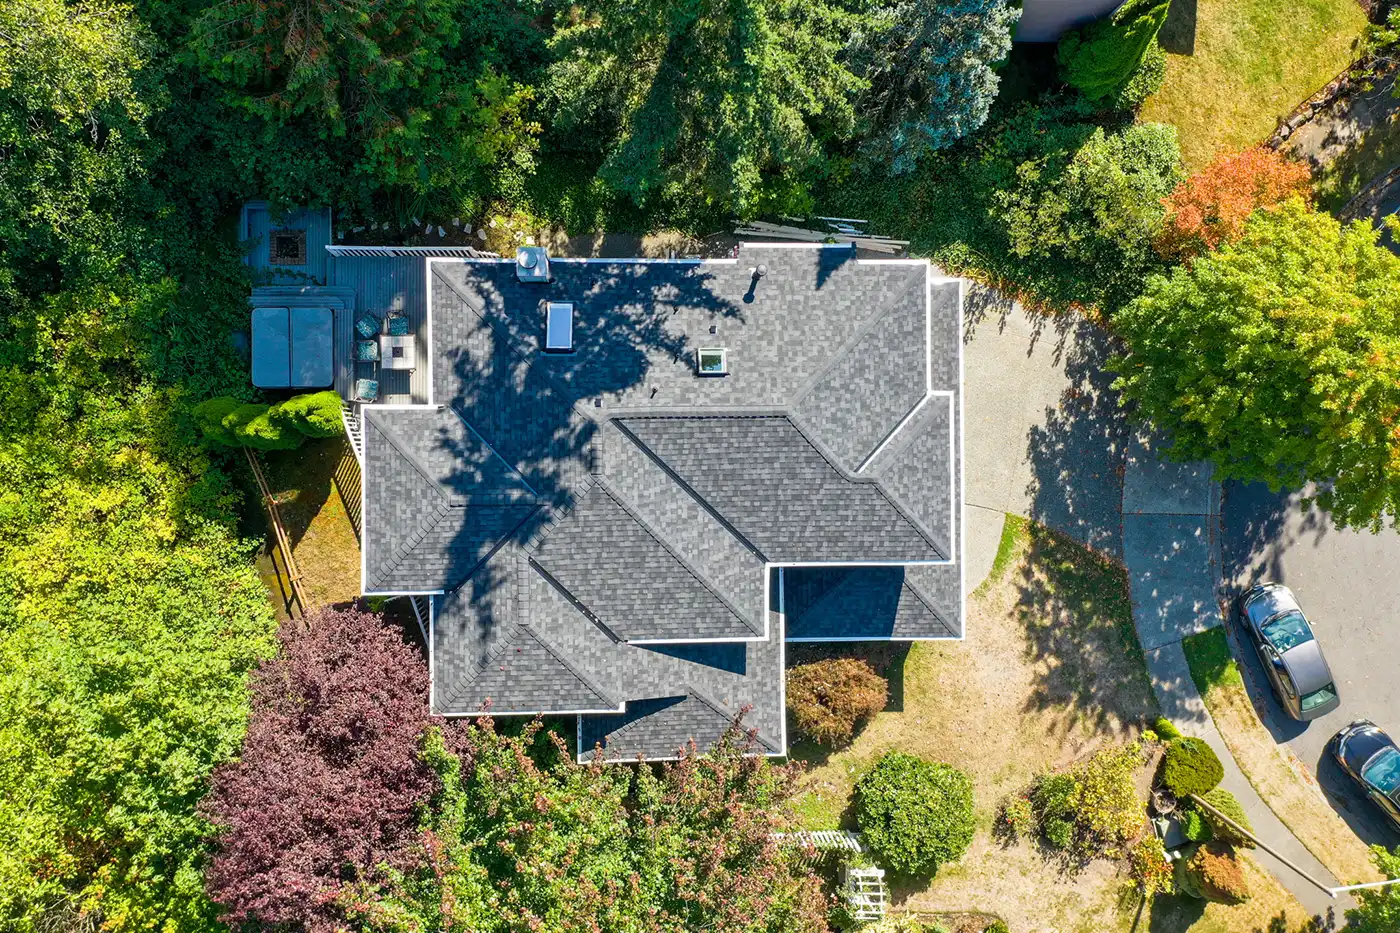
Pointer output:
x,y
1210,207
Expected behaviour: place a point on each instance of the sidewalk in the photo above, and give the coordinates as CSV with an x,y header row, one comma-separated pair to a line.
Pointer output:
x,y
1172,554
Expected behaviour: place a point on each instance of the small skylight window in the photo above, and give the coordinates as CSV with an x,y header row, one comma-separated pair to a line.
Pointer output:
x,y
559,327
712,361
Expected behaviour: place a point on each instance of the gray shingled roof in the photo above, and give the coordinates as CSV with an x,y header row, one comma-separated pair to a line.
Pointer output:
x,y
631,580
870,603
602,520
768,482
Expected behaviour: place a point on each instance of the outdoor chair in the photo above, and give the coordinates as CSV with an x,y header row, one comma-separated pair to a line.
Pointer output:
x,y
366,390
367,326
398,325
367,351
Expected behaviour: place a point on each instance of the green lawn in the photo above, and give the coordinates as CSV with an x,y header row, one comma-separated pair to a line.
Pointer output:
x,y
1212,664
1254,61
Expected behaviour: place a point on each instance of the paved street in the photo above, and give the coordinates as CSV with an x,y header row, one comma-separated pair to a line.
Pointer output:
x,y
1348,583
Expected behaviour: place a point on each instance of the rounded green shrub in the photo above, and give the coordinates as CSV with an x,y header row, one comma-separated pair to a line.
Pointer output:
x,y
1190,766
209,418
254,427
1145,81
315,414
1224,801
998,926
1194,826
915,815
1166,729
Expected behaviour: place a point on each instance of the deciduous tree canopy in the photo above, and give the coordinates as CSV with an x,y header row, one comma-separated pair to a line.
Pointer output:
x,y
1278,358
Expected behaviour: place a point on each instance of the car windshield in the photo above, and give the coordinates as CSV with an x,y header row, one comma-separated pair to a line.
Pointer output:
x,y
1318,697
1383,773
1287,631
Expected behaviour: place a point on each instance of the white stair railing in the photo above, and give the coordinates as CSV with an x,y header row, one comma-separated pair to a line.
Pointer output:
x,y
350,415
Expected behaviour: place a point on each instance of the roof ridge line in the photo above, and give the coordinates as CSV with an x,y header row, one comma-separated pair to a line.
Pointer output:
x,y
808,387
491,447
872,481
732,718
688,489
923,598
427,523
584,678
413,461
700,578
519,629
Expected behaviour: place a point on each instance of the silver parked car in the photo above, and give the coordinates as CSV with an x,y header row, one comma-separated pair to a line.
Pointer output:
x,y
1288,650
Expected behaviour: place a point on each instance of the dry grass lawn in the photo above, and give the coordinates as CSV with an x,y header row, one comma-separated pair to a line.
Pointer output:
x,y
1254,61
324,545
1277,776
1049,672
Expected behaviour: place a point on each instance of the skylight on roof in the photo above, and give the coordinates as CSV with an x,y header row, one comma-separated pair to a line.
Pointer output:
x,y
559,327
712,361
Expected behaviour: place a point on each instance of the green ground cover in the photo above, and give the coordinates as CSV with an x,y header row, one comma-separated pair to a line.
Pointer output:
x,y
1254,61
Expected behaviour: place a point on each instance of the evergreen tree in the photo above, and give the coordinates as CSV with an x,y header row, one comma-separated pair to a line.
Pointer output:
x,y
703,97
1103,56
930,68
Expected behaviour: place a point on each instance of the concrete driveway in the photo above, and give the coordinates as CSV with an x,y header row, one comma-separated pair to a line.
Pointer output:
x,y
1044,437
1348,583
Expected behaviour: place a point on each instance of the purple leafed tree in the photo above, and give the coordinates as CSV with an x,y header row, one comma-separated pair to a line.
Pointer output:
x,y
330,785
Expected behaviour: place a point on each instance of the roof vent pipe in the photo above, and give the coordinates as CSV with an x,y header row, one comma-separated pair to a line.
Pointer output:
x,y
532,264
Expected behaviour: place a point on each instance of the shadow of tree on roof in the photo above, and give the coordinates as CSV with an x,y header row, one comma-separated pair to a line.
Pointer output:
x,y
536,410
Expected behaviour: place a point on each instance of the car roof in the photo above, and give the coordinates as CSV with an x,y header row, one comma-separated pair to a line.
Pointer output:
x,y
1262,603
1307,667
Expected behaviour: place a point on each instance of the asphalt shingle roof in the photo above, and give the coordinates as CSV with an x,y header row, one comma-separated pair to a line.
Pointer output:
x,y
602,521
767,480
630,579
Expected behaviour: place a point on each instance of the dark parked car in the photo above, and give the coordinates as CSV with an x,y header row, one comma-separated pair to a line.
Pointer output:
x,y
1373,761
1288,650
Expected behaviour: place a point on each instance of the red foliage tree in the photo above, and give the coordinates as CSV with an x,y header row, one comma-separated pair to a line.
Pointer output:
x,y
330,785
1212,205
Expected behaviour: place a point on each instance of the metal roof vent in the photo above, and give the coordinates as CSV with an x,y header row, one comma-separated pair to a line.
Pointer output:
x,y
559,327
712,361
532,264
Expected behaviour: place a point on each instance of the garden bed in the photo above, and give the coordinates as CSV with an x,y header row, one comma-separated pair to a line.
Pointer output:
x,y
1043,680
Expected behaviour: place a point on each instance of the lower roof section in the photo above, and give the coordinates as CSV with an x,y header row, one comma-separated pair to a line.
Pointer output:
x,y
872,603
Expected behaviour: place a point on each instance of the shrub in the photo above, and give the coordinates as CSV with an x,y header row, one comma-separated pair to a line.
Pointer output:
x,y
315,414
1213,873
828,698
998,926
1017,816
1190,766
1148,865
1194,825
1166,729
915,815
1211,206
1224,801
1052,801
1107,810
1103,57
209,417
330,786
1145,81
